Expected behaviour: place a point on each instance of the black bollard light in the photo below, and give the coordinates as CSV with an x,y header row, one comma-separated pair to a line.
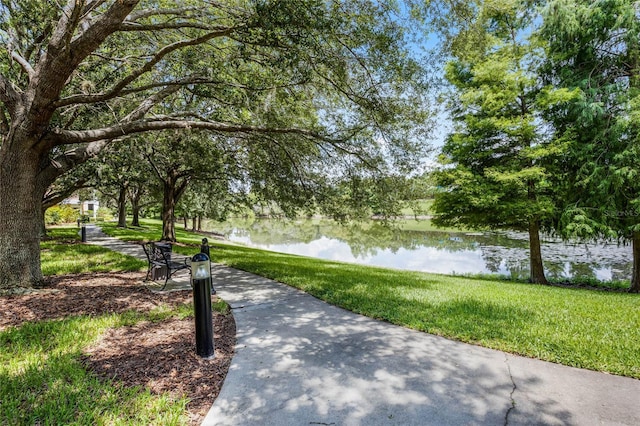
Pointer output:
x,y
83,233
201,282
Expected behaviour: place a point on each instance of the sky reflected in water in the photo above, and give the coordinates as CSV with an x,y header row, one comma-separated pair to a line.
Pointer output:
x,y
439,252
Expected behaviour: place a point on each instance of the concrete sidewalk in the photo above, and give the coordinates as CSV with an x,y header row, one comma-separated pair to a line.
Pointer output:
x,y
300,361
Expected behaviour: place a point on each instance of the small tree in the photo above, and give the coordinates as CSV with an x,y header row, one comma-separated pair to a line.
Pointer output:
x,y
494,170
122,170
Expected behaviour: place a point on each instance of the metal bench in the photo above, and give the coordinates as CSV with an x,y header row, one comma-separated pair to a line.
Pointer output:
x,y
161,263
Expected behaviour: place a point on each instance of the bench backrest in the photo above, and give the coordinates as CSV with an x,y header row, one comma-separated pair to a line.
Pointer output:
x,y
156,252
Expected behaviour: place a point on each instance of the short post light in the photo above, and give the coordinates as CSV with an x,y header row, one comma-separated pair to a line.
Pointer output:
x,y
201,283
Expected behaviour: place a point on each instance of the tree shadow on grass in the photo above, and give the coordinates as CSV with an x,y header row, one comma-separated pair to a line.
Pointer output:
x,y
59,391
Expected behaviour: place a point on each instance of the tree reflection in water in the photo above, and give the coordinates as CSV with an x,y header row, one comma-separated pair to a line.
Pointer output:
x,y
370,243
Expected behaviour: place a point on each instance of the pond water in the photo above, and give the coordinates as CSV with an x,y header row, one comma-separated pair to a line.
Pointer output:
x,y
502,253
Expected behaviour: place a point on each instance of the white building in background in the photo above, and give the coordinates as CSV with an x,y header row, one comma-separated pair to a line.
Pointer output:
x,y
86,207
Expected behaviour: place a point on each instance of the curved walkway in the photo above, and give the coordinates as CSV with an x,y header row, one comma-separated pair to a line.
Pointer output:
x,y
300,361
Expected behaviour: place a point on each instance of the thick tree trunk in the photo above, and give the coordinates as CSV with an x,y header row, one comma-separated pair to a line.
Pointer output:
x,y
21,220
199,222
122,207
43,226
194,223
635,275
535,255
135,211
168,211
172,191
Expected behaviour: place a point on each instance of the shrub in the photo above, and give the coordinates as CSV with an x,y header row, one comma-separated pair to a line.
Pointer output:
x,y
61,214
104,214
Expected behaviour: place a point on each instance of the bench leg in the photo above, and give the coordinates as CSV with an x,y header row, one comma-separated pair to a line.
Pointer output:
x,y
158,272
168,274
166,280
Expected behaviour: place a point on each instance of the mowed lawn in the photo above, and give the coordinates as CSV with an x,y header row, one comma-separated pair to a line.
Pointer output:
x,y
598,330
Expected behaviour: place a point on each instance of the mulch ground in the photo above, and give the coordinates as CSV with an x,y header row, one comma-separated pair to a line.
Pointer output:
x,y
159,356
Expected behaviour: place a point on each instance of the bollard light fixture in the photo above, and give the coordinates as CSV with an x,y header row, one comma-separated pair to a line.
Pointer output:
x,y
200,266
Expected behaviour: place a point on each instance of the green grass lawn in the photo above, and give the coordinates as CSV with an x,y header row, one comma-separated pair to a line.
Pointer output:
x,y
423,207
62,254
43,381
589,329
598,330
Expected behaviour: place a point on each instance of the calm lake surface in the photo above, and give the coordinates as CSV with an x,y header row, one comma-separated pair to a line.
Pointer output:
x,y
503,253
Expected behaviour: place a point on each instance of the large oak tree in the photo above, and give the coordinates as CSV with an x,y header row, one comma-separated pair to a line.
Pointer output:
x,y
77,77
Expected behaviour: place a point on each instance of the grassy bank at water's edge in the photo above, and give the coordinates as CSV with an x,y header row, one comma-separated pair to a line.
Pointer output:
x,y
598,330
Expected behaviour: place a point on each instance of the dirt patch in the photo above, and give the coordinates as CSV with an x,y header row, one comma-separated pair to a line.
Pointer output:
x,y
159,356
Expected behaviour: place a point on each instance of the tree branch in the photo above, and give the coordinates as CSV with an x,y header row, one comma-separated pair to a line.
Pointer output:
x,y
146,13
69,159
101,97
165,51
63,54
153,166
299,172
65,137
130,26
147,67
107,24
181,11
37,43
52,197
179,191
150,102
9,96
66,26
92,5
24,64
